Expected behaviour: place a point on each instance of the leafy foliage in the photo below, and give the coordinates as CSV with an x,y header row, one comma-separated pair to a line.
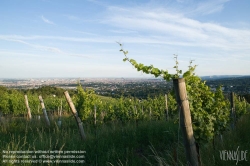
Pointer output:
x,y
121,109
12,102
209,110
85,101
241,106
47,91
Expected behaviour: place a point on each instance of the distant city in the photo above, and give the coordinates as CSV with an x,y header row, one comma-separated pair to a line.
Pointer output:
x,y
137,87
68,82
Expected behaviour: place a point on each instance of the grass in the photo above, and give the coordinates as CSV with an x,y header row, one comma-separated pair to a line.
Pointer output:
x,y
108,144
149,143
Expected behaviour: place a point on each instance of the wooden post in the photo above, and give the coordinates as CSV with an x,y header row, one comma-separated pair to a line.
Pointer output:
x,y
245,103
95,120
221,138
61,109
73,109
38,117
136,116
95,114
135,109
166,110
27,106
44,110
59,121
232,110
186,122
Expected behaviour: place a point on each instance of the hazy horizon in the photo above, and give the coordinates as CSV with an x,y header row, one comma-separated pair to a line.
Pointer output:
x,y
149,77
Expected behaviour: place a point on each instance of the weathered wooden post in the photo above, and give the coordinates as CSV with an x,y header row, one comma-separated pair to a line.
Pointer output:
x,y
38,117
245,103
95,115
73,109
61,108
27,106
186,122
44,111
232,110
59,121
136,116
166,110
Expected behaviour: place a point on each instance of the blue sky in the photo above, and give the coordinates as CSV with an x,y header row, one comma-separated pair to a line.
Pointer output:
x,y
77,38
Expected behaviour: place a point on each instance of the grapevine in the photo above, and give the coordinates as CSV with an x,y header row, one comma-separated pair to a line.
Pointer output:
x,y
209,110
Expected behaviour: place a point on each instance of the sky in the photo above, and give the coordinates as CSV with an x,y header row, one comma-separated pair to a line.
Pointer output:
x,y
78,38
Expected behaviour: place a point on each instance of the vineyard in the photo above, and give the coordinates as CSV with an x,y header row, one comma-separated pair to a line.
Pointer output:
x,y
125,113
127,131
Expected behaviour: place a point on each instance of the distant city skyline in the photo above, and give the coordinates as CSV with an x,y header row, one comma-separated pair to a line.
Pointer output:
x,y
77,39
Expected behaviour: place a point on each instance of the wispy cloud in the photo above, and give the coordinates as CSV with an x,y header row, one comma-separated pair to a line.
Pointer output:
x,y
36,46
92,39
47,21
99,39
176,28
210,7
19,53
22,40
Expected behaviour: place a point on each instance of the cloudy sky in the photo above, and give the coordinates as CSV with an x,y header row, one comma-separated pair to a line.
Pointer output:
x,y
77,38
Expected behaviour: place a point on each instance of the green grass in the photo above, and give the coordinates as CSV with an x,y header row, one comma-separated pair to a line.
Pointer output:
x,y
107,144
149,143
